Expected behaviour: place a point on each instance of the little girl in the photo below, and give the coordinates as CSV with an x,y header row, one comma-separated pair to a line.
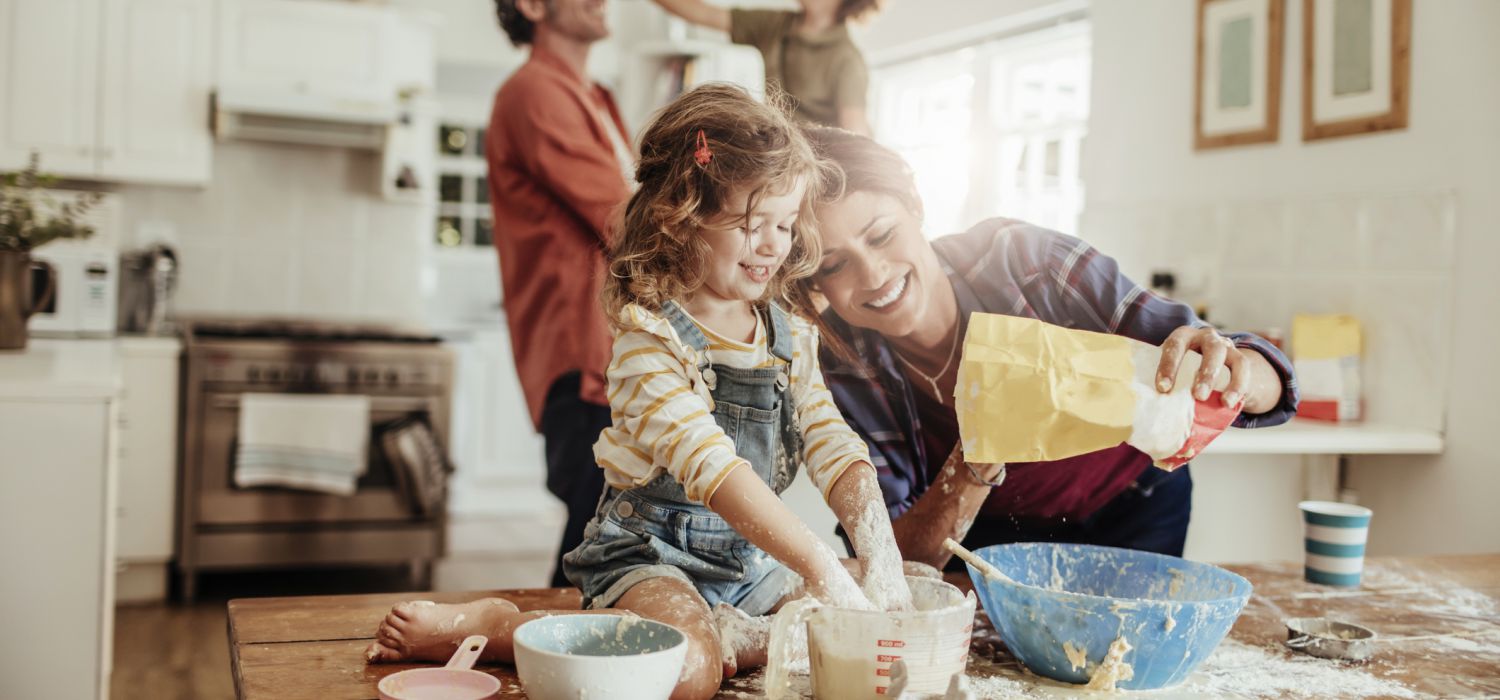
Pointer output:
x,y
716,400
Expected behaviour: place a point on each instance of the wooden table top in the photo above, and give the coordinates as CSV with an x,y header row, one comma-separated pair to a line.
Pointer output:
x,y
1440,617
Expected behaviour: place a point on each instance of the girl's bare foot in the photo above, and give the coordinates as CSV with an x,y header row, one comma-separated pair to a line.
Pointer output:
x,y
421,630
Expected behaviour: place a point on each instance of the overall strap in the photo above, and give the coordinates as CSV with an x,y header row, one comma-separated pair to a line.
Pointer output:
x,y
780,339
687,331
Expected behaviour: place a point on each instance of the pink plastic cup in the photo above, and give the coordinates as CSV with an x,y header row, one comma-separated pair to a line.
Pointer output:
x,y
455,681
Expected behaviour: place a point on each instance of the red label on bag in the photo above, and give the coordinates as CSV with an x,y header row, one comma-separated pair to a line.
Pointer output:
x,y
1210,418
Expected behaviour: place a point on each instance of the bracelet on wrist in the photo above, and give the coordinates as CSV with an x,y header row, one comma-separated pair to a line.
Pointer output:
x,y
980,480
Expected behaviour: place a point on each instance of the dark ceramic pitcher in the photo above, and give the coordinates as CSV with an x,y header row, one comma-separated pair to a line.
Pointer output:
x,y
16,299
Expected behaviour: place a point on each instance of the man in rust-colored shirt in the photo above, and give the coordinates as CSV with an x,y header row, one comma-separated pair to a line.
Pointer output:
x,y
558,162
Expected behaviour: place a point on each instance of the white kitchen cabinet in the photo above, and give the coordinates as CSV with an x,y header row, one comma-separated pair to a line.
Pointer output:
x,y
49,80
154,104
57,494
147,466
107,89
298,46
496,452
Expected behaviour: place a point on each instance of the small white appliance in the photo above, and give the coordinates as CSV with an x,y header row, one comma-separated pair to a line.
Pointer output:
x,y
83,300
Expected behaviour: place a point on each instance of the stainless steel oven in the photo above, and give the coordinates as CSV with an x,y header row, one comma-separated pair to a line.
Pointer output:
x,y
222,526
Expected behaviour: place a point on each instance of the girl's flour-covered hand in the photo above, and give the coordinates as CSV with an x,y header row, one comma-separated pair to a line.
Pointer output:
x,y
758,514
857,502
836,588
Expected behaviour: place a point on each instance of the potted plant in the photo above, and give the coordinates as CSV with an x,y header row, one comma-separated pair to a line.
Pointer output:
x,y
31,216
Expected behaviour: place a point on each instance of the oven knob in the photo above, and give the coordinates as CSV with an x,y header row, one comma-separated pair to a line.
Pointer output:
x,y
273,375
372,376
391,377
252,374
353,376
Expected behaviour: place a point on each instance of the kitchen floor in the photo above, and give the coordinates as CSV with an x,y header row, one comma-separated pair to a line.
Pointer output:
x,y
172,651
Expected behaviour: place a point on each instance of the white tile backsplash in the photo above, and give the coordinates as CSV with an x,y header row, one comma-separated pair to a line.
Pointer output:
x,y
1136,239
263,278
203,286
1386,258
1325,235
1255,236
1412,233
1252,303
328,278
1407,322
1194,234
289,230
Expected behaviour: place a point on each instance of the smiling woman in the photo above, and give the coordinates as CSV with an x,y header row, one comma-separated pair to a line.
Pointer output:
x,y
897,310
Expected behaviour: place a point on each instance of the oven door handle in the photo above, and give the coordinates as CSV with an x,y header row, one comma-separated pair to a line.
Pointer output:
x,y
377,403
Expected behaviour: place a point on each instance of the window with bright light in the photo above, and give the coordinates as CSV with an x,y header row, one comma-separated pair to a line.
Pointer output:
x,y
993,129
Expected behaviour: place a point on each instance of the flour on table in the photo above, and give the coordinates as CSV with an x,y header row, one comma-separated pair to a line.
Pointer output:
x,y
1243,670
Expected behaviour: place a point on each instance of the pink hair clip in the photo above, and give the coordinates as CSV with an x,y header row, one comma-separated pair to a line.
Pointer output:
x,y
703,154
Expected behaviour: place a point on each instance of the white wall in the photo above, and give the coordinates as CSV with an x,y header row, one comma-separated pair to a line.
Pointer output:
x,y
1139,158
289,231
907,23
467,31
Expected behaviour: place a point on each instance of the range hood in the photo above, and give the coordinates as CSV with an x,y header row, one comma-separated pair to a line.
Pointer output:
x,y
302,117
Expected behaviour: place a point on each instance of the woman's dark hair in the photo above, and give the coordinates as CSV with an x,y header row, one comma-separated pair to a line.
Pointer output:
x,y
517,26
861,165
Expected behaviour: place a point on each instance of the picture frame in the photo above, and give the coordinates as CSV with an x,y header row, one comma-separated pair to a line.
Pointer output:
x,y
1356,67
1237,98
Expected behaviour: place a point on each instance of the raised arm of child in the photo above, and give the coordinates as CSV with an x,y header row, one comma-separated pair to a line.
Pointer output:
x,y
839,463
698,12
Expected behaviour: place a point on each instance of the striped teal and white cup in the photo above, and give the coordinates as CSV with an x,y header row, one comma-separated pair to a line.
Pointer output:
x,y
1336,535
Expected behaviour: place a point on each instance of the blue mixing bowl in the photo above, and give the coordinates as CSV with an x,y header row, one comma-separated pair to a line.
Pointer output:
x,y
1069,602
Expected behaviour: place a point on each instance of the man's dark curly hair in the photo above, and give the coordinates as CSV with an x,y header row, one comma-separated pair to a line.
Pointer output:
x,y
516,25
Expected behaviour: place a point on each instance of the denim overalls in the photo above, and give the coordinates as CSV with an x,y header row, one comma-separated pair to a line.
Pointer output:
x,y
654,530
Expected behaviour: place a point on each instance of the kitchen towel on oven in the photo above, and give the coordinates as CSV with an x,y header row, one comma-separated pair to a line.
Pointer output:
x,y
316,442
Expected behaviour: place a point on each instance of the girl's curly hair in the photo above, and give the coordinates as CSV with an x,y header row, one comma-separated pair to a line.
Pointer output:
x,y
658,254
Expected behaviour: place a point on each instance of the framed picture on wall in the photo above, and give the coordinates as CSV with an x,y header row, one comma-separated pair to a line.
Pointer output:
x,y
1238,96
1356,66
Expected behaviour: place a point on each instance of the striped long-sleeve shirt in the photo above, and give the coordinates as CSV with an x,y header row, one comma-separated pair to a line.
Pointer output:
x,y
662,410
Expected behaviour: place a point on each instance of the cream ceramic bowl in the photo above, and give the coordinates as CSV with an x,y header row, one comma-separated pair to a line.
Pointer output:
x,y
620,657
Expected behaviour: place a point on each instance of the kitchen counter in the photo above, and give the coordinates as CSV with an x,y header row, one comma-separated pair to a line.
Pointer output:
x,y
74,368
1436,615
61,369
1302,436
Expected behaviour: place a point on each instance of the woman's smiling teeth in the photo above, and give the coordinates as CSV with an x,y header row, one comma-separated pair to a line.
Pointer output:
x,y
757,273
891,296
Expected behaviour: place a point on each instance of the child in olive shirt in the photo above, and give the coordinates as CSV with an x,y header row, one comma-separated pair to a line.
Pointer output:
x,y
808,54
